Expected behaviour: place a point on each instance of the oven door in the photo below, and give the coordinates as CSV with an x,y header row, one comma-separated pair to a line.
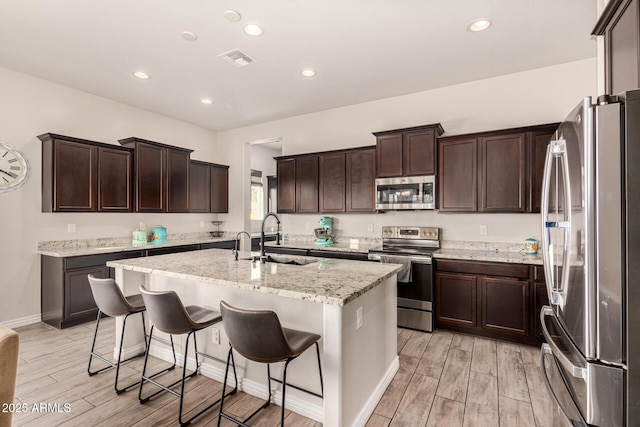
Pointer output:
x,y
415,298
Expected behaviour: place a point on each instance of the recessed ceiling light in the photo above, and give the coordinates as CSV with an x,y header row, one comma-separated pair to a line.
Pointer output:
x,y
141,75
308,72
232,15
189,36
479,25
254,30
206,101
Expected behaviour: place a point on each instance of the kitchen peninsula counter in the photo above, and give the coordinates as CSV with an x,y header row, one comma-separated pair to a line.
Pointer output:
x,y
351,304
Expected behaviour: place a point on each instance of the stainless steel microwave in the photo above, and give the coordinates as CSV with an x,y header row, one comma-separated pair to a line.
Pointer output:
x,y
410,192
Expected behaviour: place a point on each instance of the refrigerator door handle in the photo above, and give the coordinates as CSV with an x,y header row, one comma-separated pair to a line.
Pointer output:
x,y
557,149
544,350
576,371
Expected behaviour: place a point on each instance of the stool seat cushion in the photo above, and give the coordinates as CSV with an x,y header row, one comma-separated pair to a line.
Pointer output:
x,y
203,316
299,341
136,303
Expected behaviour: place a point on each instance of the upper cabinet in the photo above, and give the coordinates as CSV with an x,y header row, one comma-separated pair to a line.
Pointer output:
x,y
620,26
408,151
208,187
498,171
84,176
219,189
329,182
161,173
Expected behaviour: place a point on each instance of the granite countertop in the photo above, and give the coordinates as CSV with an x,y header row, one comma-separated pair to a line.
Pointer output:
x,y
327,281
100,247
361,247
488,255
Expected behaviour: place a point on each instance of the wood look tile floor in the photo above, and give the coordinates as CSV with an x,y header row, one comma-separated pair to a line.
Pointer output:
x,y
445,379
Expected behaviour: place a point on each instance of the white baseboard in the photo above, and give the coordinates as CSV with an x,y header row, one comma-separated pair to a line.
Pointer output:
x,y
23,321
215,370
375,397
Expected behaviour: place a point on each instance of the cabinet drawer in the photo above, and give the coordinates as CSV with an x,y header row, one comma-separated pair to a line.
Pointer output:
x,y
98,260
230,244
520,271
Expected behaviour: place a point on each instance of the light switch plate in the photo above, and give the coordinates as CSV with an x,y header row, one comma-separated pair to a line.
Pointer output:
x,y
483,230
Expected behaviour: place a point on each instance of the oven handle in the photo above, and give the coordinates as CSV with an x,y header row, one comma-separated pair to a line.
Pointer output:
x,y
544,350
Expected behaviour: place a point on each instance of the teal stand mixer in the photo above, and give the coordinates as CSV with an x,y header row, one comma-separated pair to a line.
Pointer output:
x,y
324,235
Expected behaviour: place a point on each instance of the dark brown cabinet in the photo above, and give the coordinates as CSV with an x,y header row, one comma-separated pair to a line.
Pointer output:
x,y
161,174
408,151
332,182
219,189
328,182
501,184
620,26
458,175
484,298
286,185
208,187
498,171
540,299
307,184
361,180
84,176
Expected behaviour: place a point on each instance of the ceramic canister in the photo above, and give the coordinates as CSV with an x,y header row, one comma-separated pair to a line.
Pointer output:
x,y
158,234
139,238
530,246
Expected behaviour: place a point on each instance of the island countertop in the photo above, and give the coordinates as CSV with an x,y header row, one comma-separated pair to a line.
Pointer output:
x,y
327,281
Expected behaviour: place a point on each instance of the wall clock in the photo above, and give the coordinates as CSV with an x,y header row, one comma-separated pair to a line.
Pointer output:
x,y
14,168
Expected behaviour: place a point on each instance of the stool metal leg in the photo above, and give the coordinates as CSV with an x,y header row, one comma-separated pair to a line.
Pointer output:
x,y
109,363
150,378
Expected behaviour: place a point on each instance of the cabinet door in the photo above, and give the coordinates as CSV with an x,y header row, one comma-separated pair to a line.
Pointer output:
x,y
114,180
538,153
199,187
178,181
219,189
332,182
150,178
456,299
540,299
78,299
458,171
361,180
502,173
286,184
420,153
307,184
505,305
389,155
75,185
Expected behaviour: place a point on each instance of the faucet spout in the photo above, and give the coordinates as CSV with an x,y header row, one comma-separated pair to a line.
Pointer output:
x,y
235,250
263,254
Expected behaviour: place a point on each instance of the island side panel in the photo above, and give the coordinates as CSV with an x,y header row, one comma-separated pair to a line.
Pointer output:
x,y
129,281
368,354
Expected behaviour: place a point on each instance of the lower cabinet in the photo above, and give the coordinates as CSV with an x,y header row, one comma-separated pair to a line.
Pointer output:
x,y
66,298
484,298
540,299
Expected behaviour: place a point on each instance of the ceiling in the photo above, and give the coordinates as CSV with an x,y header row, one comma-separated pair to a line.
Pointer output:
x,y
362,50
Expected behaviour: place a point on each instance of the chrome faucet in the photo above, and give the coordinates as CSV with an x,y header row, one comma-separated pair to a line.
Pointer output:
x,y
263,254
235,251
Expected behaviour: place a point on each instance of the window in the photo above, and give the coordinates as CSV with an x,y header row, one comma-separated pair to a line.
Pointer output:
x,y
257,196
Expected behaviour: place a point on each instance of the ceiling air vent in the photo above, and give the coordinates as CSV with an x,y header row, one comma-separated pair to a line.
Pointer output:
x,y
237,58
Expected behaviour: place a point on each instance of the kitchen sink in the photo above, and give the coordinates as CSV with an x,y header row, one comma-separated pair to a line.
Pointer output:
x,y
292,261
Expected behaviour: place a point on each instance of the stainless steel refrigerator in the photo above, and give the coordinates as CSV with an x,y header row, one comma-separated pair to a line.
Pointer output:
x,y
591,250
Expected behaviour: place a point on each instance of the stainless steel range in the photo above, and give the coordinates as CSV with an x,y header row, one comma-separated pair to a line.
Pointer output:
x,y
413,248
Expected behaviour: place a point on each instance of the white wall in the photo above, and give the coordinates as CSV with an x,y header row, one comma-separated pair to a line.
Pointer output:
x,y
533,97
30,107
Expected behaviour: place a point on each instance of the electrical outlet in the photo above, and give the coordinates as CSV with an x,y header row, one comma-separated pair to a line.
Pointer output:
x,y
307,226
71,228
359,318
483,230
215,335
369,227
201,224
143,226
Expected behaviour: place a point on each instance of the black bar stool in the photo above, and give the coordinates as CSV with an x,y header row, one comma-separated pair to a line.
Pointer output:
x,y
258,336
169,315
113,303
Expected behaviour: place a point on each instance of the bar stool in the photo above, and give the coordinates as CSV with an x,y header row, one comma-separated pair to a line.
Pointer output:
x,y
169,315
113,303
258,336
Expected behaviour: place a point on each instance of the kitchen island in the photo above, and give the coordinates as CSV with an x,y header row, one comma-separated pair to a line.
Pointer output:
x,y
351,304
